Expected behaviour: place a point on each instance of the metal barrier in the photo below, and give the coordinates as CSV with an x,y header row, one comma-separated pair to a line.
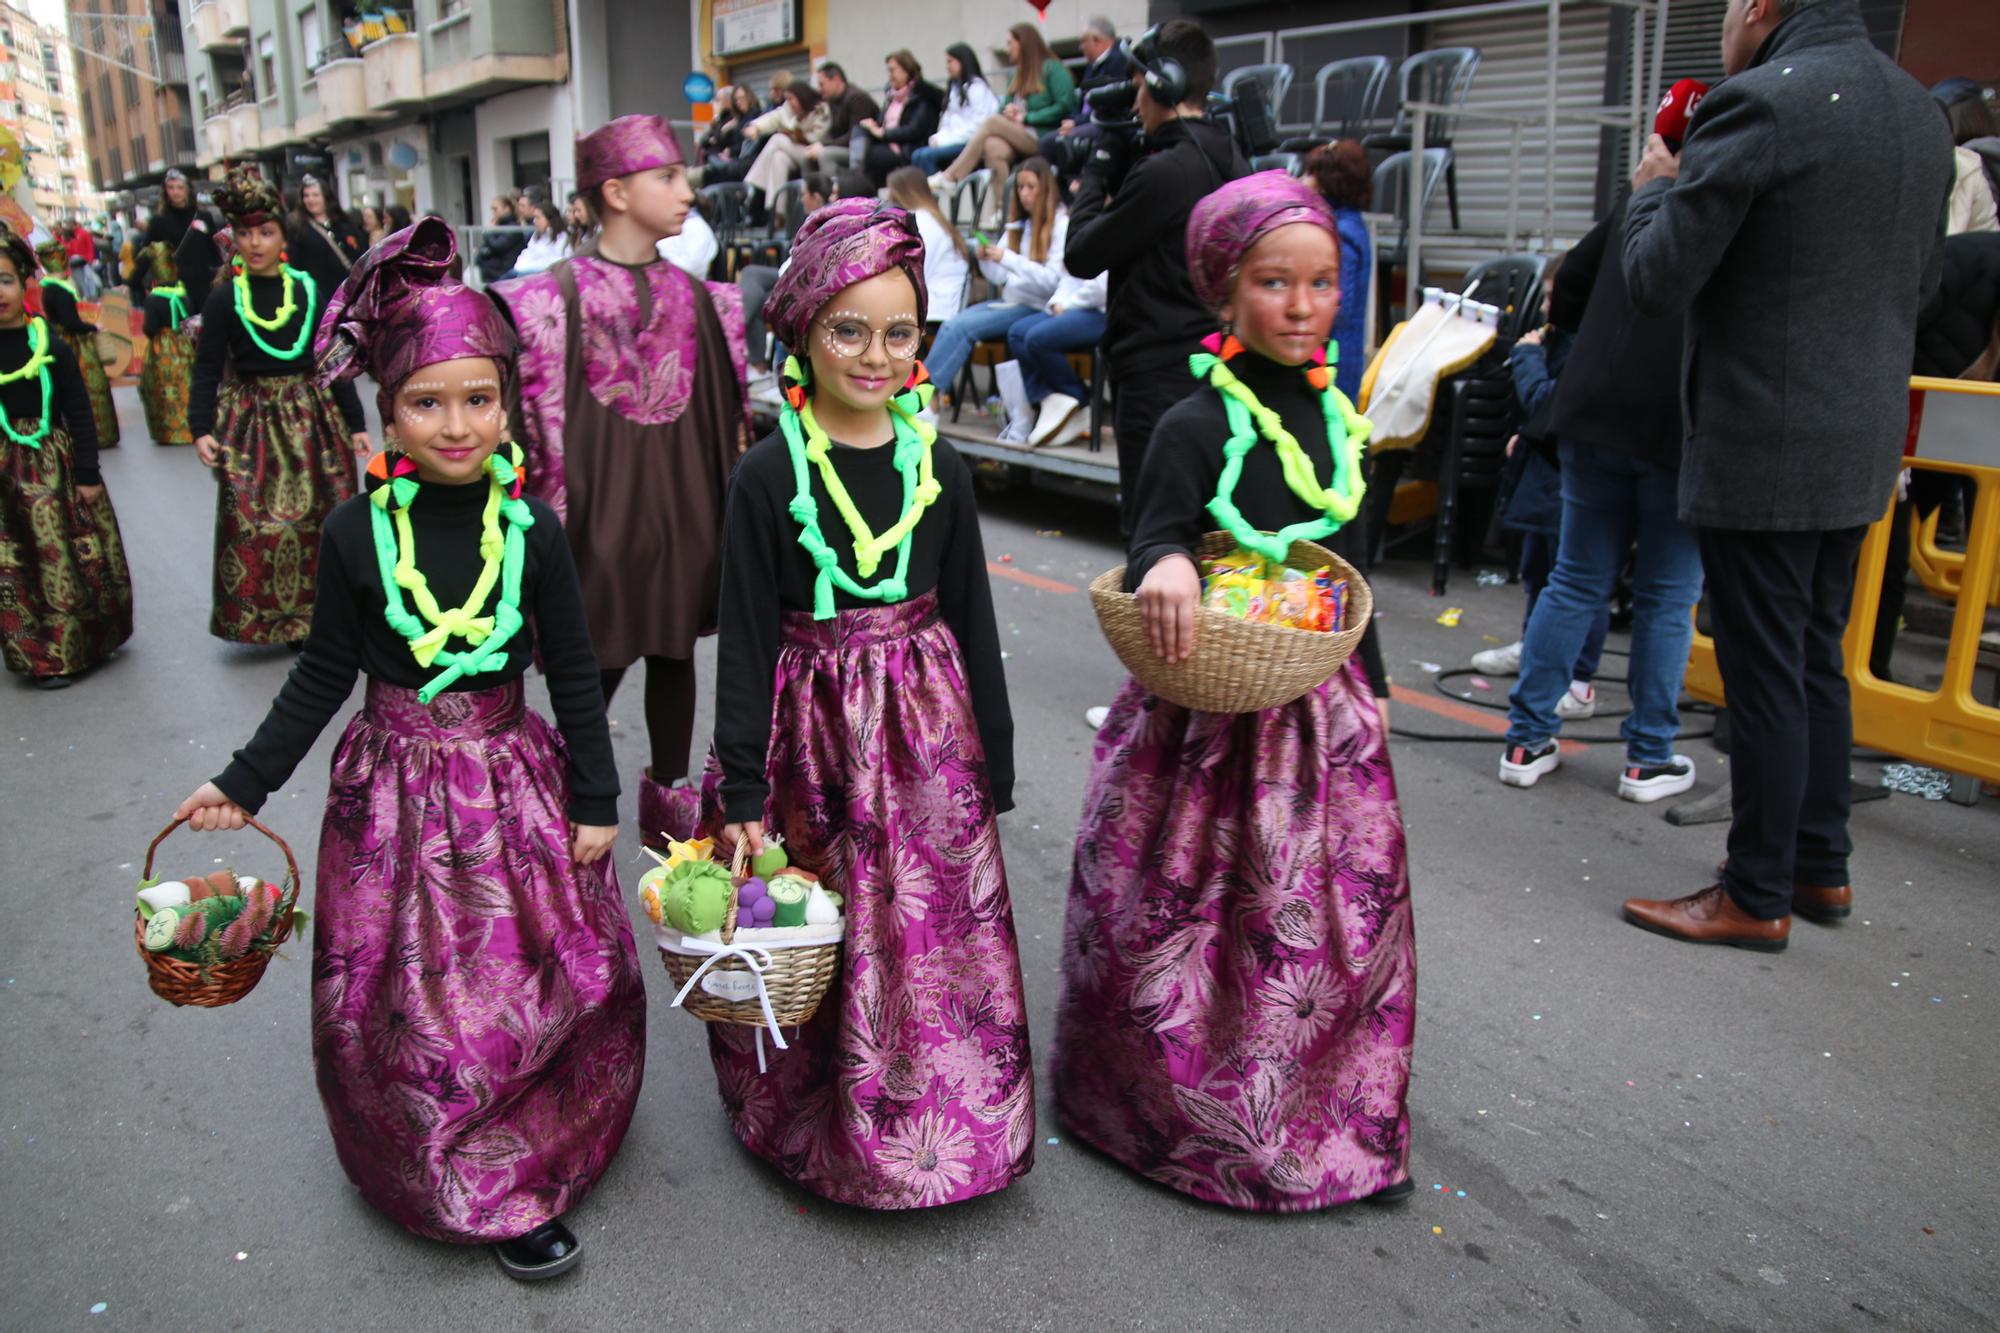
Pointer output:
x,y
1954,429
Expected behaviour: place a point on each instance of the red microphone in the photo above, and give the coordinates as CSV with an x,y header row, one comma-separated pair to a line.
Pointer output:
x,y
1670,122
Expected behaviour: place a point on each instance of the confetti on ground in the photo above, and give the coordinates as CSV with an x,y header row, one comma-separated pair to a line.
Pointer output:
x,y
1491,578
1437,1231
1478,683
101,1307
1489,638
1054,1142
1432,667
241,1255
1048,532
1449,616
1006,559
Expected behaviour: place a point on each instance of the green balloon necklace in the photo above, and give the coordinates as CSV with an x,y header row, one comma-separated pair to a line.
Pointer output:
x,y
1346,431
40,358
287,307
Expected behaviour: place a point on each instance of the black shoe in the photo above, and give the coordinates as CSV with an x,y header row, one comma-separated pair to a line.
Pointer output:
x,y
1391,1194
53,682
547,1251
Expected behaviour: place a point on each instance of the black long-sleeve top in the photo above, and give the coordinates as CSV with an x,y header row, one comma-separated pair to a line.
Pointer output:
x,y
225,341
171,225
765,573
160,314
60,309
350,634
1184,462
69,404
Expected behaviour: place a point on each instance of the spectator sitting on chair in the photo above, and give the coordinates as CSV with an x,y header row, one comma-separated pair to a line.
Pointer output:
x,y
1073,321
968,101
724,135
1105,66
1340,172
910,111
786,152
1041,96
1026,269
501,245
756,280
849,106
756,125
947,258
549,245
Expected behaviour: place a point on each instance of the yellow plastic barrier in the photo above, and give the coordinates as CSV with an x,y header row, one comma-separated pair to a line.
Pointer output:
x,y
1954,428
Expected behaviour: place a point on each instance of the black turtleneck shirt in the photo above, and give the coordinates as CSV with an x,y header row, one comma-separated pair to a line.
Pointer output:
x,y
351,634
1184,462
225,342
69,405
765,573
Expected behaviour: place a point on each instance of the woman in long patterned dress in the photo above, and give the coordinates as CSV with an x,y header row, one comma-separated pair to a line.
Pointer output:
x,y
60,307
163,382
861,710
478,1017
1239,971
633,414
282,444
65,594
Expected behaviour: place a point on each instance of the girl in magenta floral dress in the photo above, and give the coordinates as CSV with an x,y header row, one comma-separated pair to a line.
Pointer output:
x,y
1239,972
479,1024
861,710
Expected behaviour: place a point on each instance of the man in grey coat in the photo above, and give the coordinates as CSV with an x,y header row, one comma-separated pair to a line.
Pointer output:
x,y
1799,233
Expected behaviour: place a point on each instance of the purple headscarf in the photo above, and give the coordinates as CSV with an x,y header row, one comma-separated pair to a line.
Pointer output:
x,y
844,243
1226,224
403,307
623,146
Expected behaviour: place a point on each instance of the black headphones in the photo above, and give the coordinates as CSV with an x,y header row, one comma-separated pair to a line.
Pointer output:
x,y
1164,77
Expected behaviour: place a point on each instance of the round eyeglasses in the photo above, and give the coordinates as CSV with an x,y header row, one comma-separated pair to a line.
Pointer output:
x,y
851,337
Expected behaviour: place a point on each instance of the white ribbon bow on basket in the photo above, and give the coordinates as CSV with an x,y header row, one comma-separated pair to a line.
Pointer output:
x,y
752,958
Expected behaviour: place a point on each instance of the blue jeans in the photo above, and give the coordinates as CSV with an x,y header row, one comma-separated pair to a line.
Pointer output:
x,y
1609,501
1538,561
957,336
1040,342
931,161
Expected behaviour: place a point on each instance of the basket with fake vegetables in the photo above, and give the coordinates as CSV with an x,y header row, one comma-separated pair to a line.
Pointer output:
x,y
206,939
755,943
1266,631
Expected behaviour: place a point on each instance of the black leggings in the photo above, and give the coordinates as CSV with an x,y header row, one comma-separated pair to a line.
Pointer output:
x,y
669,712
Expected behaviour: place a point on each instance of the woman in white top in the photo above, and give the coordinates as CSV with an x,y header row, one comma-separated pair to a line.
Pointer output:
x,y
947,258
548,247
968,101
1026,269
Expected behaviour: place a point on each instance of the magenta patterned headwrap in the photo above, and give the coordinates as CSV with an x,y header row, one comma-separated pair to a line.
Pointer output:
x,y
403,307
846,242
1226,224
625,145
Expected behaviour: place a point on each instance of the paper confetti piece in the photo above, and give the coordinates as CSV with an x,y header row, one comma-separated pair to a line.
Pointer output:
x,y
99,1308
1449,616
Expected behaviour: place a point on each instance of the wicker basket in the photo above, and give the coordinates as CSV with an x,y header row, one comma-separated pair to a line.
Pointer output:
x,y
796,980
1237,666
180,982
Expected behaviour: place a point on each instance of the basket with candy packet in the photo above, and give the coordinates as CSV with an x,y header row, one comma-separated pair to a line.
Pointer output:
x,y
1265,632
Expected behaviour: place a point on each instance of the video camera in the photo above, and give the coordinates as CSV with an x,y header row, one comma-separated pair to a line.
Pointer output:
x,y
1113,112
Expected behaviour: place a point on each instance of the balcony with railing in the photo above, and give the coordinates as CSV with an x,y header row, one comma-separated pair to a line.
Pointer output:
x,y
395,71
219,25
478,50
343,89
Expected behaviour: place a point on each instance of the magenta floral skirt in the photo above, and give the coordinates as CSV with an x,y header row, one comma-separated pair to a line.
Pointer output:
x,y
912,1086
1239,968
479,1025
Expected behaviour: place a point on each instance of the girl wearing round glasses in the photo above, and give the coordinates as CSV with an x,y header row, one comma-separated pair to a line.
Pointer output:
x,y
861,710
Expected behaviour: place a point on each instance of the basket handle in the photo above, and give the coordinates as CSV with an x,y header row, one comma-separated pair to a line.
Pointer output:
x,y
292,880
738,863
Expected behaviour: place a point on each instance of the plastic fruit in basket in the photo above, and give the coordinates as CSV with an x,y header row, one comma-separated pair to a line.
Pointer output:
x,y
695,850
695,897
820,908
772,859
764,911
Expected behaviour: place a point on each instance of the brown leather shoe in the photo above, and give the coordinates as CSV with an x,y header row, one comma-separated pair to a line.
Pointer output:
x,y
1709,916
1825,906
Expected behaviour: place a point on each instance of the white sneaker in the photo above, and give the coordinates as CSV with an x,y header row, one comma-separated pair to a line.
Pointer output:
x,y
1056,411
1522,767
1658,782
1095,716
1579,701
1499,661
941,183
1016,431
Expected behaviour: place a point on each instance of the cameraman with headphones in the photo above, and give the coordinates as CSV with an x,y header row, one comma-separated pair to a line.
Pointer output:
x,y
1129,216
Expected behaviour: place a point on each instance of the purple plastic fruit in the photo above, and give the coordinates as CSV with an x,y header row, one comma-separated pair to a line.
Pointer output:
x,y
764,910
751,891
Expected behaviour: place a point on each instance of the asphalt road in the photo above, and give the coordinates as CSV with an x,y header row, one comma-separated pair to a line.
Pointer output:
x,y
1629,1133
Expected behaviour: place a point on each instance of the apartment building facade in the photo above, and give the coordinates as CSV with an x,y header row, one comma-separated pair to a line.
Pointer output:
x,y
38,101
132,93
